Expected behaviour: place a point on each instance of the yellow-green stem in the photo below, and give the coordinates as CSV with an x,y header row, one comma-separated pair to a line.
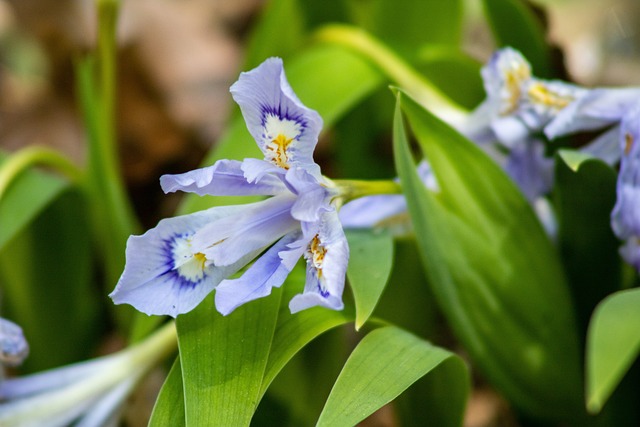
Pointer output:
x,y
34,156
352,189
395,68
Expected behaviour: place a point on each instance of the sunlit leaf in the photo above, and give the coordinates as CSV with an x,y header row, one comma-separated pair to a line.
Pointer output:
x,y
370,260
384,364
223,360
494,271
169,407
25,199
613,344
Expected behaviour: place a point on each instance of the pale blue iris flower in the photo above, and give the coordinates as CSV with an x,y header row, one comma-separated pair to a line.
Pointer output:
x,y
173,267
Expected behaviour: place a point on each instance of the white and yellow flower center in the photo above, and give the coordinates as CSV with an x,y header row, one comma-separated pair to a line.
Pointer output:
x,y
316,253
280,135
190,266
541,94
515,75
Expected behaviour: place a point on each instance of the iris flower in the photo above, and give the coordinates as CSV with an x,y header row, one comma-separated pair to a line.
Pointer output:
x,y
171,268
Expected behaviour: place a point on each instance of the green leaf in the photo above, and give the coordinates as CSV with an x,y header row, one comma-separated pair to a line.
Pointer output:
x,y
574,159
25,199
585,196
169,407
514,24
370,261
48,284
384,364
223,360
613,343
294,331
494,271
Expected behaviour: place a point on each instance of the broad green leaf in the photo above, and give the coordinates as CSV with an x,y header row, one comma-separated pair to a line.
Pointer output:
x,y
514,24
169,407
584,200
25,199
408,25
223,360
329,79
493,270
48,284
384,364
294,331
370,260
613,343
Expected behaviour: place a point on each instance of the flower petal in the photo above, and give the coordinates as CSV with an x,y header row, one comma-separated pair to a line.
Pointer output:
x,y
605,147
254,228
594,110
13,346
224,178
164,272
530,169
286,131
327,259
270,270
313,197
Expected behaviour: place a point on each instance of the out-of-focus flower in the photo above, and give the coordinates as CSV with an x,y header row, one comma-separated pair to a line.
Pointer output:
x,y
625,217
89,392
171,268
14,348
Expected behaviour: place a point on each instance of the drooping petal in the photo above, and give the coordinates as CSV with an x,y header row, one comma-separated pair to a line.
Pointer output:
x,y
255,169
530,169
286,131
327,258
224,178
630,252
14,348
255,227
372,211
596,109
625,218
164,273
270,270
605,147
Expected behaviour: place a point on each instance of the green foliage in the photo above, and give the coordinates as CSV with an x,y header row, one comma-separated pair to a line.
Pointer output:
x,y
494,272
383,365
613,344
371,255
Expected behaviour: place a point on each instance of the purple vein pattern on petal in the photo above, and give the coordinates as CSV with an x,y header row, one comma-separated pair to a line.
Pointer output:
x,y
165,274
286,131
327,257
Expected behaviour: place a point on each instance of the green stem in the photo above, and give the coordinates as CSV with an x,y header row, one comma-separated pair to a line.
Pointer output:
x,y
395,68
34,155
352,189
